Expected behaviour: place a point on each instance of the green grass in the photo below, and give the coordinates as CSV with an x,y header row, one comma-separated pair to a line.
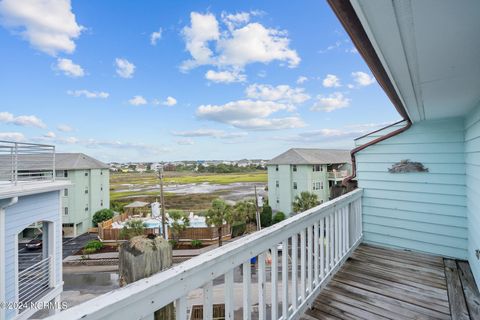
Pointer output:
x,y
225,178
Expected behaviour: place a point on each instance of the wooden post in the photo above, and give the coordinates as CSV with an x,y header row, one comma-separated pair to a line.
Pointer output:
x,y
142,257
162,201
257,212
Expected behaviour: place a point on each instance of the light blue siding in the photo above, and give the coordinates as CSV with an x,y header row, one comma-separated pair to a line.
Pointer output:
x,y
418,211
472,162
30,209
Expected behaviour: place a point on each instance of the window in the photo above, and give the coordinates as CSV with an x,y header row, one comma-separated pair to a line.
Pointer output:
x,y
278,201
101,172
101,203
86,208
317,167
294,168
65,192
101,188
65,210
65,173
317,185
276,168
277,184
86,173
295,186
86,190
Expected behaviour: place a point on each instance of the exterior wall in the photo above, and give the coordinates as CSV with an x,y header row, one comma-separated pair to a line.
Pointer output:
x,y
472,162
29,209
97,182
419,211
285,193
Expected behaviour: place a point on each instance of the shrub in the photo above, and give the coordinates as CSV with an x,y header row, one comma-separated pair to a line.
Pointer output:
x,y
196,243
102,215
279,216
132,229
266,216
94,244
173,243
238,229
89,251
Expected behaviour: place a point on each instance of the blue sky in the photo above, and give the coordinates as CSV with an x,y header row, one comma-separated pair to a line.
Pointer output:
x,y
175,80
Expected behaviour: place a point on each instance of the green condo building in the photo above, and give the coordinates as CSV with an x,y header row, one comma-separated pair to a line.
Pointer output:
x,y
300,169
88,193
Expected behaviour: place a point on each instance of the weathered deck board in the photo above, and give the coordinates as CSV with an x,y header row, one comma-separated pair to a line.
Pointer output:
x,y
382,283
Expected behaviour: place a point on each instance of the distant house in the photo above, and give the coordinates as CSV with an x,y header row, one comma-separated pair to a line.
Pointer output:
x,y
298,170
88,193
29,195
141,168
244,163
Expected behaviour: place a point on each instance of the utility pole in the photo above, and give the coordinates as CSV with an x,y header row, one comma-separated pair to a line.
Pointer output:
x,y
162,201
259,223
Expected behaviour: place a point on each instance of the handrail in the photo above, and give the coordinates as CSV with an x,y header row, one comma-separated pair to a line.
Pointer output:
x,y
335,224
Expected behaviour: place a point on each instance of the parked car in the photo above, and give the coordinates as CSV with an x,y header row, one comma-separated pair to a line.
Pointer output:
x,y
35,243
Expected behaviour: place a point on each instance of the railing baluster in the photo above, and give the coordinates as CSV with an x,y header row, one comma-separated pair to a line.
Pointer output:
x,y
332,242
336,238
228,287
347,225
340,234
329,244
247,301
302,264
315,249
294,270
322,248
285,279
181,308
345,230
208,301
262,306
310,259
274,283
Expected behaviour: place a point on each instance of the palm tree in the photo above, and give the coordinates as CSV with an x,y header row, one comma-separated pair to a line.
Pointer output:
x,y
180,222
305,201
219,213
244,211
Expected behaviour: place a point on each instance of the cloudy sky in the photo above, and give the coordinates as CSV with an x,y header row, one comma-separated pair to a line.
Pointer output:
x,y
172,80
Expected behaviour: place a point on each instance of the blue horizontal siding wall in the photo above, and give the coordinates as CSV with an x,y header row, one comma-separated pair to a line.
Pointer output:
x,y
472,163
418,211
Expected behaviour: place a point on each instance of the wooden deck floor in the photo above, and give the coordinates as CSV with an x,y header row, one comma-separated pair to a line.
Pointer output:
x,y
380,283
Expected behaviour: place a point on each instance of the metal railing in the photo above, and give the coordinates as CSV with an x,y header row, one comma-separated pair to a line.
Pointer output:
x,y
296,259
338,174
34,281
23,162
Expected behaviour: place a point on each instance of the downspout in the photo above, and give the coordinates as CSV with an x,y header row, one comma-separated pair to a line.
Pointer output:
x,y
347,182
12,201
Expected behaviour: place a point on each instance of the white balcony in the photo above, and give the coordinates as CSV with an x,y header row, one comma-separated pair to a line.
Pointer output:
x,y
296,259
337,175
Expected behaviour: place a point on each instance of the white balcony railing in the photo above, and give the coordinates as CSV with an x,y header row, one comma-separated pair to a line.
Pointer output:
x,y
34,281
334,175
22,162
306,250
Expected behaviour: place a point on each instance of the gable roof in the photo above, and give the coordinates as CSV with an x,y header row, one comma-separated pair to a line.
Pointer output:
x,y
312,156
76,161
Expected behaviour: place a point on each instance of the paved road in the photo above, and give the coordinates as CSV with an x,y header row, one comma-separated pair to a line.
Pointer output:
x,y
27,258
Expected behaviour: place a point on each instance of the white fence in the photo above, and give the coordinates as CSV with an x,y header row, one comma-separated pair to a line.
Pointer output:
x,y
20,162
306,250
34,281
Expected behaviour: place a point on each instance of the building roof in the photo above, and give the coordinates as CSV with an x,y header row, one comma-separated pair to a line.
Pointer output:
x,y
73,161
137,204
312,156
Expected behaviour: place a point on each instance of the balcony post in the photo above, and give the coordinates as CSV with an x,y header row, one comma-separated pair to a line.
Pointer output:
x,y
15,163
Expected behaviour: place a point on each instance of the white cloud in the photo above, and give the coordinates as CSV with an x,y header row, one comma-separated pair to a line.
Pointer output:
x,y
336,45
331,81
281,93
363,79
69,68
50,134
302,79
88,94
49,25
331,102
64,128
169,101
23,120
125,68
210,133
155,36
185,142
225,76
12,136
239,45
351,50
250,114
137,101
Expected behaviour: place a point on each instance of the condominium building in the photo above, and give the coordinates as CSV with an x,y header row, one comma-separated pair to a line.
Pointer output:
x,y
311,170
